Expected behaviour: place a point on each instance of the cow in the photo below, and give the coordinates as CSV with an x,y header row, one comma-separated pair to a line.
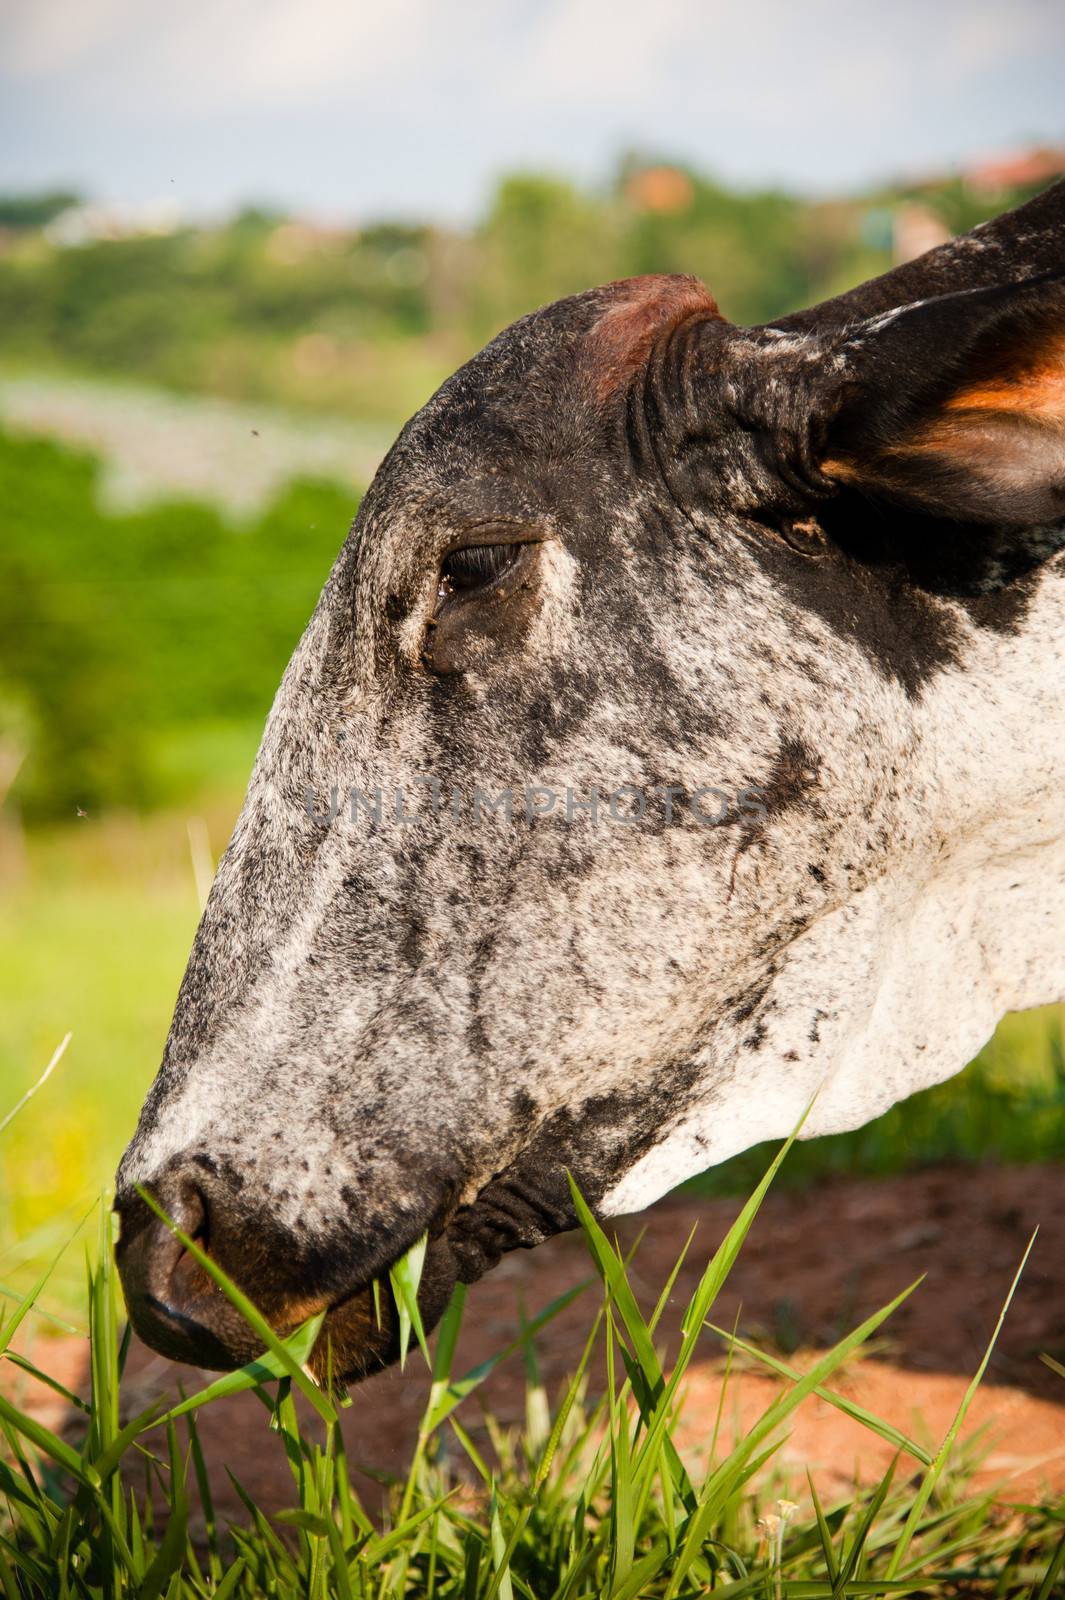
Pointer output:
x,y
678,742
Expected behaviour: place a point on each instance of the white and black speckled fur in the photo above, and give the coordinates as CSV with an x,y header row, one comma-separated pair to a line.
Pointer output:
x,y
384,1029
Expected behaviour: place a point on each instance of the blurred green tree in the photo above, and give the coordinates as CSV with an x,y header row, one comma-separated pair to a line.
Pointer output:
x,y
117,629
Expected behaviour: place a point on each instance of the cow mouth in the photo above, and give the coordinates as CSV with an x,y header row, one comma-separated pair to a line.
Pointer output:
x,y
361,1334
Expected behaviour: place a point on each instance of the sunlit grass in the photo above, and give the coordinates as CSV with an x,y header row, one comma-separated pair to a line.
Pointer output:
x,y
589,1498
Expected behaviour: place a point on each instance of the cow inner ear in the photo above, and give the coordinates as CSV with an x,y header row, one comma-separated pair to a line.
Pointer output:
x,y
948,435
939,554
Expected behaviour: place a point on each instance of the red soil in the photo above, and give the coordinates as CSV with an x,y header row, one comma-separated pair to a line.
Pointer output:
x,y
814,1265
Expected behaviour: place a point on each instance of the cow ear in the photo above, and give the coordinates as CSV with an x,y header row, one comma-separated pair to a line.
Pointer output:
x,y
947,427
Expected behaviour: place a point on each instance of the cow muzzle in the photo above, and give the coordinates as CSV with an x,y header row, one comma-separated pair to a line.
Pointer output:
x,y
178,1309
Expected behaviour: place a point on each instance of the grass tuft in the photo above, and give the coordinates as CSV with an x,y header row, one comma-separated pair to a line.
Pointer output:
x,y
590,1497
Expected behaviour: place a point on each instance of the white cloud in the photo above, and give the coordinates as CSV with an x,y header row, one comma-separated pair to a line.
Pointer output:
x,y
582,52
413,104
247,52
595,51
39,40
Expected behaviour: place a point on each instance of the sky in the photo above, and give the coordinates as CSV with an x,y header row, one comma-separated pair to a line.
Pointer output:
x,y
350,109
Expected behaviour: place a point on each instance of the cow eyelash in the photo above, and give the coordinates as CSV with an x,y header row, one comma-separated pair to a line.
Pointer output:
x,y
474,567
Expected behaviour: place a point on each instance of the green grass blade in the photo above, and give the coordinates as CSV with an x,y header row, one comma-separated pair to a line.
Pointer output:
x,y
611,1269
170,1555
501,1585
824,1533
377,1549
457,1390
443,1360
67,1395
108,1460
849,1566
48,1444
9,1293
646,1375
28,1304
935,1471
229,1583
263,1369
724,1257
405,1278
706,1292
29,1300
643,1572
890,1434
481,1467
341,1575
57,1057
667,1289
622,1490
1048,1587
565,1409
8,1581
723,1479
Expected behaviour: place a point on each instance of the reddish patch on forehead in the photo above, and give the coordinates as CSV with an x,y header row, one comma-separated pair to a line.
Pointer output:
x,y
644,310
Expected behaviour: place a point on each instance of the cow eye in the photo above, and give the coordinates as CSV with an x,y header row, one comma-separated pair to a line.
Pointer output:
x,y
474,567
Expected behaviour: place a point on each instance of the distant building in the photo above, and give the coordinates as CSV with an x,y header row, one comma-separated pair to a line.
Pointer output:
x,y
915,228
90,223
1017,171
665,190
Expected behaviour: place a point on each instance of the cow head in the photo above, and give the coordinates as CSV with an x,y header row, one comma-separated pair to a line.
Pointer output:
x,y
676,737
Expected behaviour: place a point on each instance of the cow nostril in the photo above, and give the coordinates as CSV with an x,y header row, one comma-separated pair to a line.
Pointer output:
x,y
173,1302
191,1216
186,1273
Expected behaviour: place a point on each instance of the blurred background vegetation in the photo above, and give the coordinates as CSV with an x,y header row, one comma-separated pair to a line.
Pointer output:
x,y
187,416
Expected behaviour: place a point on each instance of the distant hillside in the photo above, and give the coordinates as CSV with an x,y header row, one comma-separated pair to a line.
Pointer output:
x,y
369,321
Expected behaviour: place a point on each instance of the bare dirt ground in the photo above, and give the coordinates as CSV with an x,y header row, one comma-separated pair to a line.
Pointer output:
x,y
815,1264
